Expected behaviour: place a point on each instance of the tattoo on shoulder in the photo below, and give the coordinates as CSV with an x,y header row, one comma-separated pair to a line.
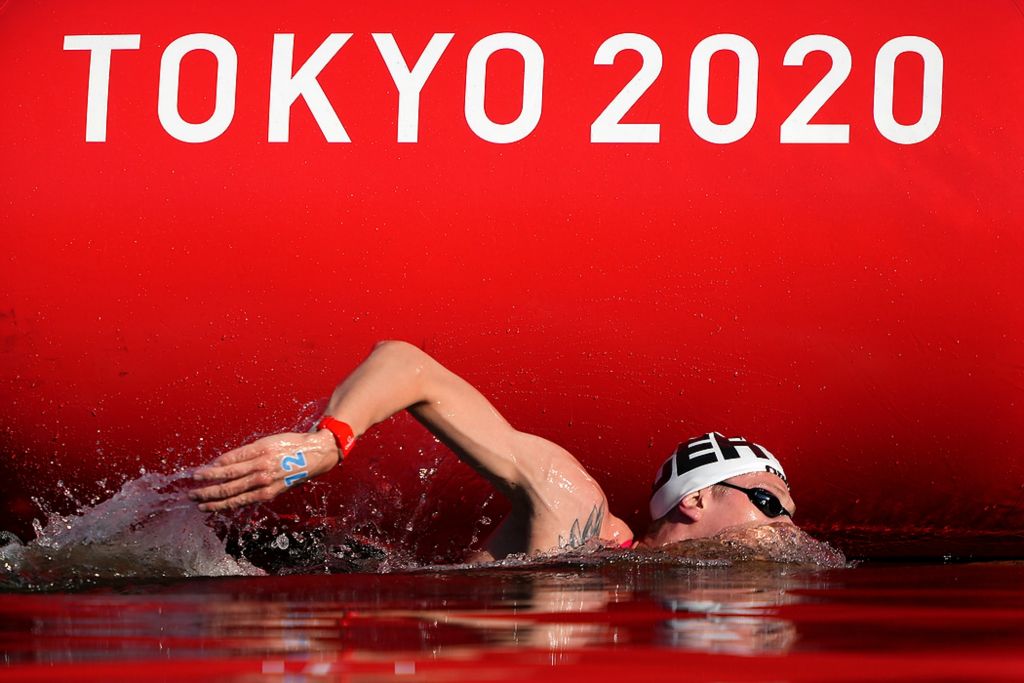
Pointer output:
x,y
591,529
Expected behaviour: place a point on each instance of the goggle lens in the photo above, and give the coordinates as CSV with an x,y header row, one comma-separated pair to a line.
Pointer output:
x,y
767,503
763,500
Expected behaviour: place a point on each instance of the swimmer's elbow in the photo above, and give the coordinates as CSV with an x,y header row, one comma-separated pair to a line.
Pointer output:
x,y
397,350
388,344
408,361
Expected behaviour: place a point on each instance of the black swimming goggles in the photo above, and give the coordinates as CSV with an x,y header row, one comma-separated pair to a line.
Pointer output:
x,y
763,500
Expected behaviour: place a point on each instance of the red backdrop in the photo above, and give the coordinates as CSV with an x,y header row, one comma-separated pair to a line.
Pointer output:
x,y
855,307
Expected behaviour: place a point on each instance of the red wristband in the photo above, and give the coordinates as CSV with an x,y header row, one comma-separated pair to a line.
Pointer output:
x,y
343,434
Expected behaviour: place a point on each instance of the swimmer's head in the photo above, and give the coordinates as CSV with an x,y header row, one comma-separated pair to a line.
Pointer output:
x,y
712,482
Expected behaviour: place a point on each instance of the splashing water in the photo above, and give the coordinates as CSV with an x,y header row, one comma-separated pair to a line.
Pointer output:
x,y
785,543
149,529
746,547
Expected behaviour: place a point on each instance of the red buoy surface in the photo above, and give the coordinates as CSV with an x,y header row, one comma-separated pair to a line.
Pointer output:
x,y
625,224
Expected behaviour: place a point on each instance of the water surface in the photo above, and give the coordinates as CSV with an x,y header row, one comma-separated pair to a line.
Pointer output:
x,y
565,621
141,586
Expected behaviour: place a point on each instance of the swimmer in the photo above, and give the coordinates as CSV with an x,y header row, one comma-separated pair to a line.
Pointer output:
x,y
710,483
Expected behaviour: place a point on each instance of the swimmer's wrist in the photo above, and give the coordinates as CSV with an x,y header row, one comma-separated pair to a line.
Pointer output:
x,y
340,434
326,444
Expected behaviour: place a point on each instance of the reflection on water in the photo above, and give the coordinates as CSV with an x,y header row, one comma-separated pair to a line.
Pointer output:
x,y
949,622
733,612
698,607
450,614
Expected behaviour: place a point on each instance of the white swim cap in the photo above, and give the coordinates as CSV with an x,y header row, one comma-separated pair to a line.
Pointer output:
x,y
706,460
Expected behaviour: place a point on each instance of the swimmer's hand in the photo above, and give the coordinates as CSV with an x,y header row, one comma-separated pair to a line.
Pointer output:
x,y
259,471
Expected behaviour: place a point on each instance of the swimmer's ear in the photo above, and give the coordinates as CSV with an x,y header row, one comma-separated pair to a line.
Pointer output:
x,y
691,507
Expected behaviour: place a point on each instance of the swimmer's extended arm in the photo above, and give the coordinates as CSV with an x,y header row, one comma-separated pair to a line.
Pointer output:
x,y
539,477
400,376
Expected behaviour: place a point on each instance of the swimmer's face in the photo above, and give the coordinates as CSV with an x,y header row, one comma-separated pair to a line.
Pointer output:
x,y
730,508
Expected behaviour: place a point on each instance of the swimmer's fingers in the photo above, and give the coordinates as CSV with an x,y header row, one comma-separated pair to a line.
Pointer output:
x,y
227,471
240,454
248,498
258,487
233,487
249,457
237,456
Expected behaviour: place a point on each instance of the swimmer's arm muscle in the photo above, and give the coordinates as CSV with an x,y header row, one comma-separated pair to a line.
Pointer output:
x,y
399,376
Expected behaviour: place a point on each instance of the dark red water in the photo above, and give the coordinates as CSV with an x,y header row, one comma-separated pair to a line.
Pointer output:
x,y
620,619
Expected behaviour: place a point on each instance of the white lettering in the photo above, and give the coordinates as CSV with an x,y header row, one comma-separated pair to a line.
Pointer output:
x,y
798,127
99,48
608,127
285,88
533,86
931,96
224,102
288,85
746,93
410,81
